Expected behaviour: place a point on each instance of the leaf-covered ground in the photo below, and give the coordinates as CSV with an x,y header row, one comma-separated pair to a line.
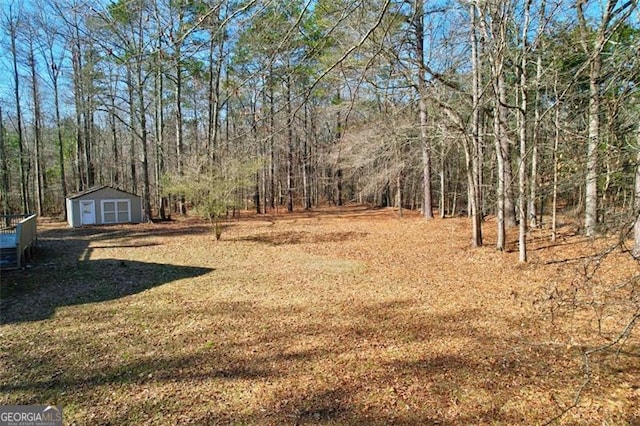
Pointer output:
x,y
349,316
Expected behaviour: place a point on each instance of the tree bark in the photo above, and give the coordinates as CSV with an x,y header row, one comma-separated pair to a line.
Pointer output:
x,y
55,73
146,184
593,139
522,169
178,111
497,33
16,80
556,172
159,130
37,120
418,24
306,190
338,175
500,157
132,131
443,191
498,12
88,122
636,227
290,146
594,52
78,98
215,72
113,121
472,149
532,209
4,171
272,144
254,133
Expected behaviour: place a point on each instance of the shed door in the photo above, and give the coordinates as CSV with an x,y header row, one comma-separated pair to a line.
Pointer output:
x,y
116,211
88,212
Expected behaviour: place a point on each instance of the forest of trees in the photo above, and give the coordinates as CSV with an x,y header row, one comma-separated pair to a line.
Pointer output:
x,y
513,108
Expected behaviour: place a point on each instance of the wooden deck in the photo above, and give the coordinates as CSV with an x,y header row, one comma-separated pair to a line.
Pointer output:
x,y
18,237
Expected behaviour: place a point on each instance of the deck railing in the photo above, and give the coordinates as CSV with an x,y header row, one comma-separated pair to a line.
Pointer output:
x,y
9,222
25,228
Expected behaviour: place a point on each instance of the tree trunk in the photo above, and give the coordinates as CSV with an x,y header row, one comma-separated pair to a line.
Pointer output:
x,y
78,98
338,174
472,149
215,71
500,187
88,126
522,161
159,130
532,210
418,24
4,171
56,98
443,192
399,193
272,145
37,118
591,192
305,163
16,80
556,142
146,184
114,142
636,227
290,147
498,34
594,52
254,132
498,24
505,151
132,131
179,124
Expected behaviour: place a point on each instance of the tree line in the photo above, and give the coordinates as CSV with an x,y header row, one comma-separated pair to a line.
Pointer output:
x,y
520,109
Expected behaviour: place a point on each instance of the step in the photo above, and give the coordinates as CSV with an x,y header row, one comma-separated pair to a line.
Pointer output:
x,y
8,258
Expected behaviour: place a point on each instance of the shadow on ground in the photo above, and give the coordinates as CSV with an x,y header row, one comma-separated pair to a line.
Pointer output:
x,y
64,274
328,383
37,297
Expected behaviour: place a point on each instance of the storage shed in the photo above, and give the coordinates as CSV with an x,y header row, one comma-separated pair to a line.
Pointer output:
x,y
103,205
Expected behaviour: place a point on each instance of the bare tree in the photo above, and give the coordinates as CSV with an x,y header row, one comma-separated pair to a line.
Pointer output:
x,y
473,149
4,170
177,37
522,135
495,20
418,27
54,53
37,122
13,20
613,13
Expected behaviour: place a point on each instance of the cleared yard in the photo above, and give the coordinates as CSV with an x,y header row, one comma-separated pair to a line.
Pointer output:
x,y
347,316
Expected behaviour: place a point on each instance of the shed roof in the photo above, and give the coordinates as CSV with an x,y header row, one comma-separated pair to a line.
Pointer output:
x,y
98,188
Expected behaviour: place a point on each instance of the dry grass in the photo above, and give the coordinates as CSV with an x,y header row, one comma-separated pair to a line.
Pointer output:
x,y
344,317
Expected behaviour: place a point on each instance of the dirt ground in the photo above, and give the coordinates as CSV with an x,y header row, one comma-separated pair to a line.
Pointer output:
x,y
340,316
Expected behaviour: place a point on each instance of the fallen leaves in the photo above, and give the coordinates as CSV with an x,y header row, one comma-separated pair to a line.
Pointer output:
x,y
342,316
